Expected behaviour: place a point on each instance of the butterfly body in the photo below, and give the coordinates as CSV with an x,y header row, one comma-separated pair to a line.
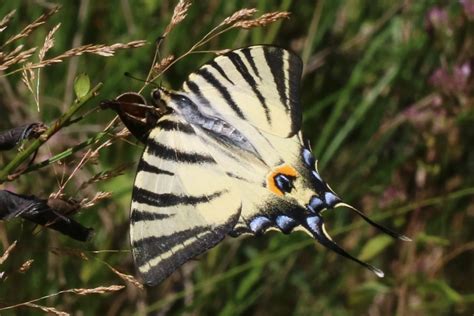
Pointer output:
x,y
228,158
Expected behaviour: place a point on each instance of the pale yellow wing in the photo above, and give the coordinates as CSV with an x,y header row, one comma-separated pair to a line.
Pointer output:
x,y
256,84
182,204
239,161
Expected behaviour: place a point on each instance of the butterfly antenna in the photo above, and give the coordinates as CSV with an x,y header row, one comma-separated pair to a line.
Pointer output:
x,y
382,228
129,75
315,225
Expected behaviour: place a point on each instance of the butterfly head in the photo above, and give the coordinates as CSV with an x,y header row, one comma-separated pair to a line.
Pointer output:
x,y
138,116
157,94
161,97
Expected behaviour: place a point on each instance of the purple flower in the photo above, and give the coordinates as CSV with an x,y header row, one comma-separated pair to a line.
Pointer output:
x,y
392,195
452,81
437,18
468,6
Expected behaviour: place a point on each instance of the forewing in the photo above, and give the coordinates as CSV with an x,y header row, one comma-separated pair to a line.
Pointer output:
x,y
258,84
182,204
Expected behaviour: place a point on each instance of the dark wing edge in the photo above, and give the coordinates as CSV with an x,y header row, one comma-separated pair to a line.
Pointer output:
x,y
206,239
295,69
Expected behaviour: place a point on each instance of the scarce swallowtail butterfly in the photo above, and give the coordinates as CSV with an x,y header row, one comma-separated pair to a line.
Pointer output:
x,y
224,155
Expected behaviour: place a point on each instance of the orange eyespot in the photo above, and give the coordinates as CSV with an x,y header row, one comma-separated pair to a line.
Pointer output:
x,y
280,179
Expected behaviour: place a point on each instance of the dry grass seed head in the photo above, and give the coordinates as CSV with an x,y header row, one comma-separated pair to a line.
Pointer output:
x,y
26,266
48,42
99,196
179,14
102,50
32,26
98,290
6,19
240,15
19,57
27,77
162,65
11,54
124,133
263,20
49,310
105,175
126,277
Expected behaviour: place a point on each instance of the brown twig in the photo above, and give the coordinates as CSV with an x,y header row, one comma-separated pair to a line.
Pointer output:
x,y
7,252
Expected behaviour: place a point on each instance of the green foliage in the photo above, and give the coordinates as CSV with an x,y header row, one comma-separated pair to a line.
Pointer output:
x,y
82,85
388,107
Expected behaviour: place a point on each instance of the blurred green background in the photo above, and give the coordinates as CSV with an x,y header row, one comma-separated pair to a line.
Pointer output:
x,y
388,107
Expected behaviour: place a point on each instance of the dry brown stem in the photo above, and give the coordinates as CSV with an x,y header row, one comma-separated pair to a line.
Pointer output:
x,y
7,252
70,252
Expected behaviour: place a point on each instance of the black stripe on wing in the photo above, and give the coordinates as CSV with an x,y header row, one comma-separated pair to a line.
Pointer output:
x,y
159,150
244,72
251,61
155,246
144,196
169,125
274,59
235,176
216,66
150,248
206,75
140,215
294,77
195,89
145,166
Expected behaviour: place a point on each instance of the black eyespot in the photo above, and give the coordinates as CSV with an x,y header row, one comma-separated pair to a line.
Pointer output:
x,y
156,95
283,182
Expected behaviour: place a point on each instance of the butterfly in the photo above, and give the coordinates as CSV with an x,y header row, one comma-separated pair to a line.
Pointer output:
x,y
225,156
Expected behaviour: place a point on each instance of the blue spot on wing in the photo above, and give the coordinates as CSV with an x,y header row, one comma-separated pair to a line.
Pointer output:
x,y
259,224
